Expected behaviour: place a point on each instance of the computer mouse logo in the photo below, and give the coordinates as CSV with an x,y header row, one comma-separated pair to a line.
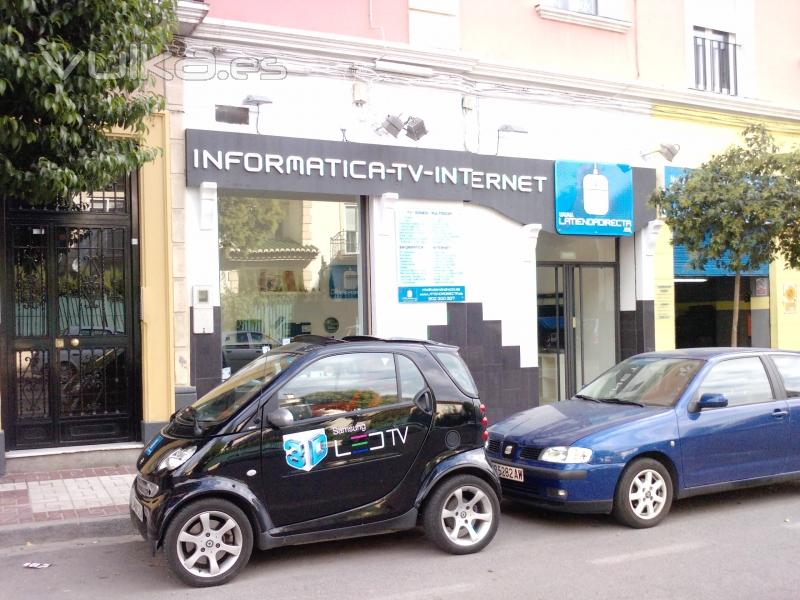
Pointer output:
x,y
595,193
305,450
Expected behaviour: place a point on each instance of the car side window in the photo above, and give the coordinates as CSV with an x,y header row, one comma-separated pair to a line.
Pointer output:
x,y
241,338
789,368
341,383
411,380
740,380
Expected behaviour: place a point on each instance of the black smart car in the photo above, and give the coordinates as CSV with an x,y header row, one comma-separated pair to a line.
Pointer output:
x,y
320,439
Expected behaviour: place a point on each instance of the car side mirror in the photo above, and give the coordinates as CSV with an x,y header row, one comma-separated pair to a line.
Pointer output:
x,y
712,401
281,417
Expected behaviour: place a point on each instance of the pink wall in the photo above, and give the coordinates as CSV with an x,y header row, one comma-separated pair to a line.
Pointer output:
x,y
777,29
513,31
344,17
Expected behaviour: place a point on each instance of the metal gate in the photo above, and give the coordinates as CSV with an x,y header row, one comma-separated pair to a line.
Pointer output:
x,y
70,340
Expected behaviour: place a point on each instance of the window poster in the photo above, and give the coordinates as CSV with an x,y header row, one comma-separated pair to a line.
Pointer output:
x,y
429,255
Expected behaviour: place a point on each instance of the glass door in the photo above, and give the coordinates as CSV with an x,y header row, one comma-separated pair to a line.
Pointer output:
x,y
577,313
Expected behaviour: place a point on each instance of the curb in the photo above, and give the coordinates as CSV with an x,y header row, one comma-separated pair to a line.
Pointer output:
x,y
59,531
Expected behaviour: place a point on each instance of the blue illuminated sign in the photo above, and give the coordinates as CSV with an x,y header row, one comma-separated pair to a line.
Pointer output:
x,y
593,198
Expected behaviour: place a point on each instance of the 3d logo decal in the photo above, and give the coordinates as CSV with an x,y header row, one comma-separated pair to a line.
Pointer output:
x,y
305,450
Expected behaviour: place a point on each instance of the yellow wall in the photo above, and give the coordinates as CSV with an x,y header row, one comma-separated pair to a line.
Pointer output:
x,y
784,318
700,134
155,211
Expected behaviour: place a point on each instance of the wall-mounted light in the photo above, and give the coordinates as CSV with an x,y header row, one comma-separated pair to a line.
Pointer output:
x,y
254,100
415,128
257,101
667,151
392,125
690,280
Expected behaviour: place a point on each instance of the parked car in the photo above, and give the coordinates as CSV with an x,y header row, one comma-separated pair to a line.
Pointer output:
x,y
655,427
320,439
240,347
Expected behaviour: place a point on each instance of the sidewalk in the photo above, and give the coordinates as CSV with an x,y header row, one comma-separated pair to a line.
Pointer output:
x,y
72,498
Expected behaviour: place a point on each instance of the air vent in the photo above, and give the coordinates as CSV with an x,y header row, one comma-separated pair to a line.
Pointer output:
x,y
238,115
494,446
530,453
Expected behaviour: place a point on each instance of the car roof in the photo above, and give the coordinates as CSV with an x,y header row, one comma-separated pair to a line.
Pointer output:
x,y
712,353
308,343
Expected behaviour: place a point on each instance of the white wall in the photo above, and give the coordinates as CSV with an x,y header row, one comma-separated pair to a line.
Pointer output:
x,y
498,261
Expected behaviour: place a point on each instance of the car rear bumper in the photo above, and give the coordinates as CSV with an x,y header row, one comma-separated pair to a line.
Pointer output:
x,y
570,488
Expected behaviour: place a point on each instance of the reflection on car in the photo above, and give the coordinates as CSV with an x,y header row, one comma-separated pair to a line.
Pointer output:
x,y
320,439
241,347
655,427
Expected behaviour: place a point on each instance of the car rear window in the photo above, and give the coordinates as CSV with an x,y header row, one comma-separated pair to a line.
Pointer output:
x,y
458,371
789,368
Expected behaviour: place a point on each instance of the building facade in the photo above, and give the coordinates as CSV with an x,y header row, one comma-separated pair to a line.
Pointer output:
x,y
475,173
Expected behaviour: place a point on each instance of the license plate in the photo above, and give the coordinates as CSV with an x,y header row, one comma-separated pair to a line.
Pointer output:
x,y
136,506
512,473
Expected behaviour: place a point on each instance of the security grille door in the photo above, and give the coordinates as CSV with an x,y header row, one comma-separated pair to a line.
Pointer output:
x,y
68,313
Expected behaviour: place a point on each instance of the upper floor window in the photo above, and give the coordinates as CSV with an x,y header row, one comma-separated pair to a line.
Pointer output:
x,y
715,61
588,7
602,14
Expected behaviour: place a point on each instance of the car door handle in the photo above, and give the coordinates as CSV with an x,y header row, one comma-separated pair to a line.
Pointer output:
x,y
779,413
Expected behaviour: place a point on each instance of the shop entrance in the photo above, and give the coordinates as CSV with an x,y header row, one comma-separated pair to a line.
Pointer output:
x,y
577,324
69,300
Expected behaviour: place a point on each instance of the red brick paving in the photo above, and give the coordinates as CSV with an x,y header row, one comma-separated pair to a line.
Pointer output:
x,y
15,505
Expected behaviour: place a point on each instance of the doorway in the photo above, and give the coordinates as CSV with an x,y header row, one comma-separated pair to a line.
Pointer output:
x,y
577,326
70,347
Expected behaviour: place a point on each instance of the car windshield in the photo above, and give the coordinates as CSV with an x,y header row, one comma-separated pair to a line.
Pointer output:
x,y
651,381
227,398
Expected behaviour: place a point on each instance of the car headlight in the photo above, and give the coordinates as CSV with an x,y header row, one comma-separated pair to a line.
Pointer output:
x,y
176,458
148,489
566,455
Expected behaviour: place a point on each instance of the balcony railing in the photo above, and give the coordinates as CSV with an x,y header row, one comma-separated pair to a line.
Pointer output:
x,y
715,66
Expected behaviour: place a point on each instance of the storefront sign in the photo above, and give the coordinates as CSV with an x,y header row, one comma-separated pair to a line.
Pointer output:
x,y
519,188
593,198
429,256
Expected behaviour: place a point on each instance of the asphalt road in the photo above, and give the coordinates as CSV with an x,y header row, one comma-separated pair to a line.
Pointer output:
x,y
738,545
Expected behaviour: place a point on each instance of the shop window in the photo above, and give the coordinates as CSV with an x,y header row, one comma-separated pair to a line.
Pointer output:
x,y
287,267
715,61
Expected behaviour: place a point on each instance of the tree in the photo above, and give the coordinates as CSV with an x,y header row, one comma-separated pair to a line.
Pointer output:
x,y
248,223
740,208
70,72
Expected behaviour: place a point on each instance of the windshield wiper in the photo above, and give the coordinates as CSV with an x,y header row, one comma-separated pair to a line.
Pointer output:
x,y
585,397
618,401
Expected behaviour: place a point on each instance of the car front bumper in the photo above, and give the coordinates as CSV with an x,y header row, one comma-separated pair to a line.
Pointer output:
x,y
585,488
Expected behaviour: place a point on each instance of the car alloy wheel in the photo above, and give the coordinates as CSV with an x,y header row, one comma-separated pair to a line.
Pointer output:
x,y
461,515
208,542
644,494
647,494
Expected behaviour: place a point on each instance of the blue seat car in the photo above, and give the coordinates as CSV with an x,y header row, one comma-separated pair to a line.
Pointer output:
x,y
657,427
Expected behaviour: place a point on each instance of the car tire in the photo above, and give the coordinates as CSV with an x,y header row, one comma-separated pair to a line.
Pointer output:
x,y
193,538
462,514
644,494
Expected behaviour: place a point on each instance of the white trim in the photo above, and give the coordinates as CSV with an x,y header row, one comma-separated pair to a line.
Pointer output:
x,y
221,32
578,18
190,13
11,454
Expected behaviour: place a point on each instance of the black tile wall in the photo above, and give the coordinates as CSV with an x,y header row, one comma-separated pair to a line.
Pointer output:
x,y
205,368
504,386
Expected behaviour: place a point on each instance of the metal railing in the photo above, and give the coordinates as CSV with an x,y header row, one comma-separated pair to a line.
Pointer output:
x,y
715,66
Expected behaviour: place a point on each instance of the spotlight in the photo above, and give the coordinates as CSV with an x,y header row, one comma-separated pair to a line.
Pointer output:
x,y
415,128
392,125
